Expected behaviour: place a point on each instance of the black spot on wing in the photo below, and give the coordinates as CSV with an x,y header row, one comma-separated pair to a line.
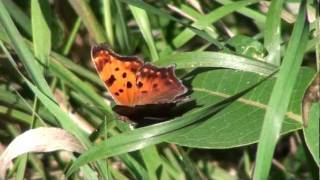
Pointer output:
x,y
129,84
110,81
139,84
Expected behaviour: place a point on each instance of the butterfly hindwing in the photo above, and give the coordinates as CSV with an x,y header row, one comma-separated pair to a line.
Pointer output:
x,y
157,85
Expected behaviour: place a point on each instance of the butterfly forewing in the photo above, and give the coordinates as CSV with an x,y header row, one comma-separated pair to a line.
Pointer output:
x,y
118,73
131,82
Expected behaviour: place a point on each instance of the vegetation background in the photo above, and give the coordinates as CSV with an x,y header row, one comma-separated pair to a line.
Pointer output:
x,y
246,63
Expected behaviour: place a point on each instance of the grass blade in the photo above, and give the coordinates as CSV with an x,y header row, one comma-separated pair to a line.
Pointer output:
x,y
272,36
161,13
23,52
108,22
123,35
41,33
89,20
206,20
217,59
280,96
142,19
19,16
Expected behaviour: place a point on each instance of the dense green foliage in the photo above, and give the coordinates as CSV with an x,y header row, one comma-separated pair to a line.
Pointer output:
x,y
247,65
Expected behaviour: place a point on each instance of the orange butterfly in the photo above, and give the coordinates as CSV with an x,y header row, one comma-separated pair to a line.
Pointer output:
x,y
131,82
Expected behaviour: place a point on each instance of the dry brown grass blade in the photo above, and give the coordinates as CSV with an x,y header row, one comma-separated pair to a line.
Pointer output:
x,y
41,139
311,95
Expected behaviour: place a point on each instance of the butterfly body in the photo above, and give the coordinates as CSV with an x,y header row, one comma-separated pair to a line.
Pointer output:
x,y
131,82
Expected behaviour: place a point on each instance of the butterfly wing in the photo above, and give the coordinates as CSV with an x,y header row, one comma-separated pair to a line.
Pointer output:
x,y
157,85
117,72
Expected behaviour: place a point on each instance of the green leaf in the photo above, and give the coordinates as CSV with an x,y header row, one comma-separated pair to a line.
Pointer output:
x,y
240,123
311,133
41,33
281,94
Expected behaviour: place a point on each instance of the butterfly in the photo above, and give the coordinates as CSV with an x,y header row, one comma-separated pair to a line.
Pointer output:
x,y
131,82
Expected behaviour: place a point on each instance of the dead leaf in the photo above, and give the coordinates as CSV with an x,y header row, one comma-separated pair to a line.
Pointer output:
x,y
43,139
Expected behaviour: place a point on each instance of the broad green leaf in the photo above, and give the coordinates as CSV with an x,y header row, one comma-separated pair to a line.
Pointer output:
x,y
311,133
240,123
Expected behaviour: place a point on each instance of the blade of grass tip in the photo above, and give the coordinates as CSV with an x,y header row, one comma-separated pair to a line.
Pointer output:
x,y
72,37
135,167
272,32
142,20
41,34
24,54
280,96
84,11
152,160
19,16
108,22
190,168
